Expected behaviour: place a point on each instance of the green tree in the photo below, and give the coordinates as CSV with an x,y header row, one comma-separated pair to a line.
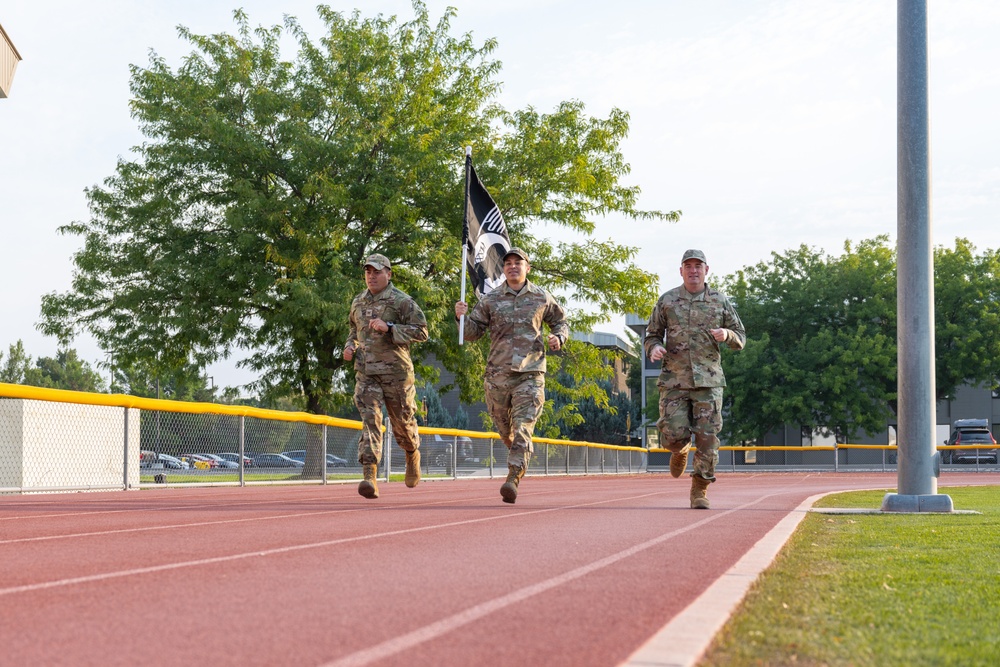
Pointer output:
x,y
610,423
188,383
435,414
16,366
64,371
263,183
821,347
966,317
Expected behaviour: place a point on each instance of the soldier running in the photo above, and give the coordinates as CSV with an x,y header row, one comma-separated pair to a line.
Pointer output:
x,y
685,331
384,322
513,314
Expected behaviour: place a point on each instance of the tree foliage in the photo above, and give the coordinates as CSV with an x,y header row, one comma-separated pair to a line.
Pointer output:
x,y
821,348
188,383
609,422
64,371
242,221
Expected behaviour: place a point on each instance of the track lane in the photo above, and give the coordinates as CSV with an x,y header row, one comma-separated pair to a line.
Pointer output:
x,y
581,571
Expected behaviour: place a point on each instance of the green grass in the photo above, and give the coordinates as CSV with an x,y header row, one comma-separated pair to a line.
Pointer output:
x,y
876,591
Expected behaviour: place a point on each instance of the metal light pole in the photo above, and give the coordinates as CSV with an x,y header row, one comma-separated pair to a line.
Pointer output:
x,y
919,463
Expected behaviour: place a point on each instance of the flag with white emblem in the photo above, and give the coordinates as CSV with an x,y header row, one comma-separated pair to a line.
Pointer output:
x,y
484,234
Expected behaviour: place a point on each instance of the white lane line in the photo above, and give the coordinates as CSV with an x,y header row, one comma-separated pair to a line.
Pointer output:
x,y
57,583
204,505
683,641
97,511
434,630
42,538
196,524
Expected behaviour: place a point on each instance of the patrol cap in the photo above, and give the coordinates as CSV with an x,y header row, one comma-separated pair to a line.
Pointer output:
x,y
520,253
378,261
693,254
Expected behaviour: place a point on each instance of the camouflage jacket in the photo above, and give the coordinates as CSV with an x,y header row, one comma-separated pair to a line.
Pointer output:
x,y
680,323
378,353
514,322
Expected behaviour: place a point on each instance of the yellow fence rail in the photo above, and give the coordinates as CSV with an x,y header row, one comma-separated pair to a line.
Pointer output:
x,y
171,438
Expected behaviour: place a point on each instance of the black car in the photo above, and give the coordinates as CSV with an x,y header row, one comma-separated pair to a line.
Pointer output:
x,y
275,461
332,461
970,432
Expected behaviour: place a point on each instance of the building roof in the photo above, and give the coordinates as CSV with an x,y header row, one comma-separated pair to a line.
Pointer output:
x,y
603,340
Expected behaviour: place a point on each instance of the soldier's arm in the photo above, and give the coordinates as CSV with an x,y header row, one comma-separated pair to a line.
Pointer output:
x,y
352,334
555,317
654,330
413,325
477,321
736,337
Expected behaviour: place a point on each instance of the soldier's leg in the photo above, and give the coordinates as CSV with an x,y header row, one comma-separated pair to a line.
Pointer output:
x,y
368,400
401,404
527,396
527,401
498,403
706,408
675,420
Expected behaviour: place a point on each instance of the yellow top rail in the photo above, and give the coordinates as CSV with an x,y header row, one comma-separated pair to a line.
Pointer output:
x,y
164,405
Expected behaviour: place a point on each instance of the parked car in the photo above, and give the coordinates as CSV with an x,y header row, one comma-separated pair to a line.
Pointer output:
x,y
202,462
276,461
436,452
148,459
970,432
332,461
172,462
235,458
219,461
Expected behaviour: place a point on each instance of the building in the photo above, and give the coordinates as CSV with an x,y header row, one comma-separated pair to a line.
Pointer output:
x,y
9,57
610,341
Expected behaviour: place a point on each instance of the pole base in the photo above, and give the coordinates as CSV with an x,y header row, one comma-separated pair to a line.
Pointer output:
x,y
936,502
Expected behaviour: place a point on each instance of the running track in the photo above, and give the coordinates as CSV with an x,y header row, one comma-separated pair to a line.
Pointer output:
x,y
581,571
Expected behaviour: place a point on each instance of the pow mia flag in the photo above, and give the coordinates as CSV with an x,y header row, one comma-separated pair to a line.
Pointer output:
x,y
484,234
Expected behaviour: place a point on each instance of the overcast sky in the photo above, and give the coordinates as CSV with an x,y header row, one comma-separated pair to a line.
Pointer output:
x,y
768,124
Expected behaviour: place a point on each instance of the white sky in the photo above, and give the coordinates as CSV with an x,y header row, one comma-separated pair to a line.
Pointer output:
x,y
769,124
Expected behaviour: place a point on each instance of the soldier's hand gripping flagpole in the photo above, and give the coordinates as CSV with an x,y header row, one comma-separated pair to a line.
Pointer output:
x,y
465,240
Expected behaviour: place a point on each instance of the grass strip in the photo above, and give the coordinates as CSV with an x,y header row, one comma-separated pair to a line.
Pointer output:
x,y
876,590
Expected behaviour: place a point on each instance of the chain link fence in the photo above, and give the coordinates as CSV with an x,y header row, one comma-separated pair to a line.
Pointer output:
x,y
55,440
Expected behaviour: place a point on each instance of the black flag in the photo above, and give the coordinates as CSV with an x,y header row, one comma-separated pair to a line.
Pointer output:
x,y
484,234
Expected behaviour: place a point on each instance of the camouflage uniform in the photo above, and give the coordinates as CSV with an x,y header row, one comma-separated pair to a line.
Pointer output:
x,y
691,378
384,369
515,368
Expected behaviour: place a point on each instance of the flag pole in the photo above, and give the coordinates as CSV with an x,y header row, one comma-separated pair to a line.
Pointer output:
x,y
465,239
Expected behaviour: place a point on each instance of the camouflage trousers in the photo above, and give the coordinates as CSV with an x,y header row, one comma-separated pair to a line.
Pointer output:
x,y
514,401
692,412
400,399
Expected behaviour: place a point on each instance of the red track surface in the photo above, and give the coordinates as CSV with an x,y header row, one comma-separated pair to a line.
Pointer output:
x,y
581,571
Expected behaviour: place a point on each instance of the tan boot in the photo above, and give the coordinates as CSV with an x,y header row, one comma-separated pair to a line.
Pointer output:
x,y
369,485
679,461
699,501
412,477
509,489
